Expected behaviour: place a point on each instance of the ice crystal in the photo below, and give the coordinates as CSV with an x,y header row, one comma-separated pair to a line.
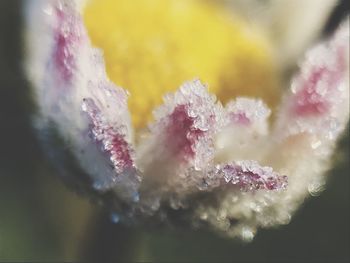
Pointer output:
x,y
210,165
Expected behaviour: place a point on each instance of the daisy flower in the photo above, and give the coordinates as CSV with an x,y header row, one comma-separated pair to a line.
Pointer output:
x,y
206,157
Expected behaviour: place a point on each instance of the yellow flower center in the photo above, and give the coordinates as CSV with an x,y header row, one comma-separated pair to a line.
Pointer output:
x,y
152,46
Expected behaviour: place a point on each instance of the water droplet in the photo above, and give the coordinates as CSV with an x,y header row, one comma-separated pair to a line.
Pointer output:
x,y
97,185
136,197
115,217
316,188
247,234
315,144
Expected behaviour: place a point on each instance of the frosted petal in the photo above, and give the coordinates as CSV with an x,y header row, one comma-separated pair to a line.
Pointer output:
x,y
75,95
319,99
245,136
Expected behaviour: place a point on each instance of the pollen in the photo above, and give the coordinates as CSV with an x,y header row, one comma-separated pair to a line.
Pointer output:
x,y
152,46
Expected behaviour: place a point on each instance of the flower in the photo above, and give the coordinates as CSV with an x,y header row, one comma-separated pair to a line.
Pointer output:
x,y
199,162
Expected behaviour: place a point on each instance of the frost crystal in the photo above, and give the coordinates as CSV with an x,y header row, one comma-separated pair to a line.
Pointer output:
x,y
208,164
248,176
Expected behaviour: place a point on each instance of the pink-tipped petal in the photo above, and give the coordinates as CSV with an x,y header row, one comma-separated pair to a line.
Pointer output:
x,y
75,95
184,127
180,139
319,99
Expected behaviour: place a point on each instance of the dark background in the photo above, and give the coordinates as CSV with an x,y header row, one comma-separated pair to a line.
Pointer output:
x,y
41,220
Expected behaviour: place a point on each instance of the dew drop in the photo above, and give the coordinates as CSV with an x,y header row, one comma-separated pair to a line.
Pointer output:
x,y
247,234
316,188
115,217
136,197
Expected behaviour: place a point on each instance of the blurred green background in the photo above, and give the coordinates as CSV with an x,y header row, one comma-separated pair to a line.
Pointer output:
x,y
42,220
